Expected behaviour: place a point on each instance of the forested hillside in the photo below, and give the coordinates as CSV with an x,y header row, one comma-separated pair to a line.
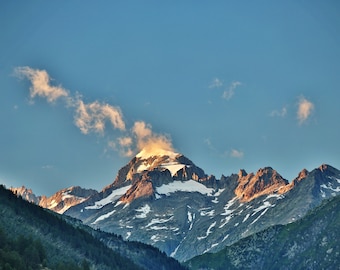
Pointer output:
x,y
29,231
310,243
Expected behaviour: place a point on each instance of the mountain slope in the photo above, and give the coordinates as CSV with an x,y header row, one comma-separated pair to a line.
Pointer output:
x,y
163,199
168,202
68,242
310,243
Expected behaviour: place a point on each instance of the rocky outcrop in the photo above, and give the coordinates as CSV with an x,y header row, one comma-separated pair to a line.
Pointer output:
x,y
265,181
66,198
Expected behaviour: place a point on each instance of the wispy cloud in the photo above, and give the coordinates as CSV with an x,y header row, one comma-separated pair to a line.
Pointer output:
x,y
150,142
279,113
230,91
305,108
47,167
216,83
125,141
210,144
236,153
92,117
41,84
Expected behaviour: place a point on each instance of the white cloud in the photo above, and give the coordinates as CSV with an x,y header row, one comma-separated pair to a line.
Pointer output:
x,y
142,130
209,143
93,116
228,93
277,113
125,141
41,84
216,83
149,141
47,167
125,144
236,153
305,108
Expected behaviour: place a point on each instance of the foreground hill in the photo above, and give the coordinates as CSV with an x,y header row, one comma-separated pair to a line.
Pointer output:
x,y
310,243
62,243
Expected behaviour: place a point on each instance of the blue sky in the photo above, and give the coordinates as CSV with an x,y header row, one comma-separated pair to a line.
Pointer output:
x,y
230,84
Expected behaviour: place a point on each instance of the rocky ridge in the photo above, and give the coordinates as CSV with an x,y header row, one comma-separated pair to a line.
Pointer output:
x,y
58,202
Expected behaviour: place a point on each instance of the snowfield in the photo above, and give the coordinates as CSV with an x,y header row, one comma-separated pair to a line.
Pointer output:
x,y
186,186
115,195
105,216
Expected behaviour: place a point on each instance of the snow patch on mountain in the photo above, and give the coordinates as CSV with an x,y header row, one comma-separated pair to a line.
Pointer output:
x,y
246,217
173,167
277,196
227,212
265,205
211,247
255,220
144,210
185,186
102,217
212,225
337,189
158,221
204,212
115,195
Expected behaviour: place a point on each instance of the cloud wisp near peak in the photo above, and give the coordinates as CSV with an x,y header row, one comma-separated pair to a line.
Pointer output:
x,y
93,117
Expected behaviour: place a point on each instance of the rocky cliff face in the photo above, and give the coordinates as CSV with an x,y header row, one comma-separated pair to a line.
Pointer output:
x,y
265,181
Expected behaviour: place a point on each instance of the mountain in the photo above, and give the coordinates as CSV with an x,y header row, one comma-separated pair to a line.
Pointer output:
x,y
165,200
310,243
32,237
26,194
58,202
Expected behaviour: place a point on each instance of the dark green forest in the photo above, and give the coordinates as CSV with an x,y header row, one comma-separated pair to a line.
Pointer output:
x,y
55,241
